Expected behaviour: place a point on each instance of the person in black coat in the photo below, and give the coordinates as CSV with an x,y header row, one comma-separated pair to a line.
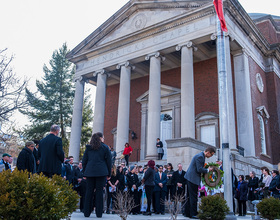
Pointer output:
x,y
148,180
112,187
80,184
50,153
26,160
97,166
69,170
179,182
252,185
273,184
132,186
241,195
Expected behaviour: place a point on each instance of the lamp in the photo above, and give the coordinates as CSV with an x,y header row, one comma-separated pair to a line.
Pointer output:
x,y
133,135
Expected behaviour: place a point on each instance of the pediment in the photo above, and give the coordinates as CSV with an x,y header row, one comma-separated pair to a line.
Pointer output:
x,y
164,91
135,17
139,21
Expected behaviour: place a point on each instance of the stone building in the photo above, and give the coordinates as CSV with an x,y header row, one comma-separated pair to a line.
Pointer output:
x,y
154,65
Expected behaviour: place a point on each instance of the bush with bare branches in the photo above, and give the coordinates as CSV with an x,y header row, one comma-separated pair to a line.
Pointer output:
x,y
124,204
175,205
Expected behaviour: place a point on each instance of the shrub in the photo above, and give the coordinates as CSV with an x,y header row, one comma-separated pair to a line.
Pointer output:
x,y
213,207
24,196
269,208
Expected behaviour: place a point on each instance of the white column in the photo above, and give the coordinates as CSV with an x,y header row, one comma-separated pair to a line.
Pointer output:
x,y
154,104
124,105
76,127
187,91
231,116
99,110
245,127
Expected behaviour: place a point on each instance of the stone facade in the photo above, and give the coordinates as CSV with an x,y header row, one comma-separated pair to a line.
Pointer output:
x,y
159,57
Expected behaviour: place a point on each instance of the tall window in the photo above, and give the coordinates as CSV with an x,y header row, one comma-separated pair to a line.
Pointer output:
x,y
207,128
262,134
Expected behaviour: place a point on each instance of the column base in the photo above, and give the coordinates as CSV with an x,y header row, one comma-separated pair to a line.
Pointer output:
x,y
151,157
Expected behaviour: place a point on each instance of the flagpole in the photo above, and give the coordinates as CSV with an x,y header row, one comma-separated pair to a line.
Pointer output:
x,y
224,118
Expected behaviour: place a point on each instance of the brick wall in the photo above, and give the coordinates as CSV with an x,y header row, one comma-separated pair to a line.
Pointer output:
x,y
268,31
259,99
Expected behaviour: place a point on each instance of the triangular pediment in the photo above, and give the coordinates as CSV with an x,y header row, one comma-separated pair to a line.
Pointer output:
x,y
137,16
164,91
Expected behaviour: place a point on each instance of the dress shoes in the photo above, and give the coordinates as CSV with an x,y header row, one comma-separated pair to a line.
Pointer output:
x,y
147,213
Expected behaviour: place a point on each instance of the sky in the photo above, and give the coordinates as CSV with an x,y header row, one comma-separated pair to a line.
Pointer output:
x,y
33,29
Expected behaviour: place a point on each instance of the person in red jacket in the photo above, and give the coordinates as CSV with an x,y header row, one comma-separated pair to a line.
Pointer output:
x,y
127,152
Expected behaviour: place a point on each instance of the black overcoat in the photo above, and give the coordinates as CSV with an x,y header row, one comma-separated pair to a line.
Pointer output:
x,y
51,154
26,160
97,163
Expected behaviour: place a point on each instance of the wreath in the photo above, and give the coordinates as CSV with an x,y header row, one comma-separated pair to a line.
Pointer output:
x,y
213,179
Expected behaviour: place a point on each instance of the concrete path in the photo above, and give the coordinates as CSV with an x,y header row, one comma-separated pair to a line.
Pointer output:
x,y
79,215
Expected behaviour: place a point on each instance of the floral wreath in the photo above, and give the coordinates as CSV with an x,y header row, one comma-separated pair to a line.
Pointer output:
x,y
212,179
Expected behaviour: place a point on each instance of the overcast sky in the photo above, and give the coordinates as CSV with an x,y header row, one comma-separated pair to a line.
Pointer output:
x,y
33,29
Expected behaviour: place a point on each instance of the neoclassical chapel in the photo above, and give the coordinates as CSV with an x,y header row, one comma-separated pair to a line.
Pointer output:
x,y
154,66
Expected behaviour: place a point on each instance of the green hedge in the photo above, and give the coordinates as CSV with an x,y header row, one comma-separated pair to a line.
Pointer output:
x,y
213,207
24,196
269,208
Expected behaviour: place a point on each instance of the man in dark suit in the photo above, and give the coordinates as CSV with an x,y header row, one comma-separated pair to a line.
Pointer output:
x,y
179,182
50,153
160,190
193,177
69,170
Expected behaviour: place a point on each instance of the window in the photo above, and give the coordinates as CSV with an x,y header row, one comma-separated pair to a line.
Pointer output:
x,y
262,134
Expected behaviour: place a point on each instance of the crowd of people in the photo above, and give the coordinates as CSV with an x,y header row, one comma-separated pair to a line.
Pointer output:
x,y
249,188
97,179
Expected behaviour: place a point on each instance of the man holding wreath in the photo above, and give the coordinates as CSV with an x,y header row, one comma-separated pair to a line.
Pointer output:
x,y
193,177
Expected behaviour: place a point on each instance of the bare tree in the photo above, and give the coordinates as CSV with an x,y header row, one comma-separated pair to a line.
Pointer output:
x,y
124,204
175,205
12,88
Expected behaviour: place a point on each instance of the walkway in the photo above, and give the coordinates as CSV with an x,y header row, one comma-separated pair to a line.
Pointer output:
x,y
79,215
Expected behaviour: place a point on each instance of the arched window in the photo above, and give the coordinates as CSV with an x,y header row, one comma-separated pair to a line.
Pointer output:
x,y
262,134
263,117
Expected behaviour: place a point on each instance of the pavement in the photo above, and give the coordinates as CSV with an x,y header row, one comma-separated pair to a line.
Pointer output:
x,y
79,215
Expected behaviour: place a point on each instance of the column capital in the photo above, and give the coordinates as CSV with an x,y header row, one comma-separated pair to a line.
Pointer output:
x,y
78,78
126,64
102,72
156,54
188,44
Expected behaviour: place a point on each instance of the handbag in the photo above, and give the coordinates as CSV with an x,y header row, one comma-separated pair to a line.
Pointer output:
x,y
122,156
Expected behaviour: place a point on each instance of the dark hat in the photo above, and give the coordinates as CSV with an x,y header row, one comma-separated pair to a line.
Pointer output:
x,y
131,167
5,154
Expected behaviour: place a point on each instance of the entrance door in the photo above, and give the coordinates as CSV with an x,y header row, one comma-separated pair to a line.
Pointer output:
x,y
165,130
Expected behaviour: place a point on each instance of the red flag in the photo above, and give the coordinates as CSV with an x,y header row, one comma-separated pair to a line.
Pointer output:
x,y
219,10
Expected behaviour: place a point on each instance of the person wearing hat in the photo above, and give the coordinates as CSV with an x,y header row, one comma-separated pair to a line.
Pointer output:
x,y
26,159
4,163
